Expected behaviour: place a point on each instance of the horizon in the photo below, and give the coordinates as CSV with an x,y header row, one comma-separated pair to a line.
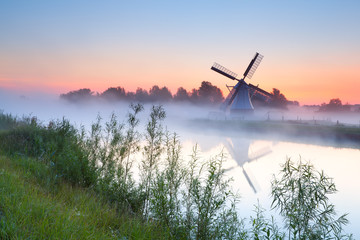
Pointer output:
x,y
311,51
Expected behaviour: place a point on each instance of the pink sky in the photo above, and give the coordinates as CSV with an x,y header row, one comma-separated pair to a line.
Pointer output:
x,y
311,50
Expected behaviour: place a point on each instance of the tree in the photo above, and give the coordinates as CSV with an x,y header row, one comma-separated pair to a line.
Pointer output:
x,y
278,99
181,95
141,95
160,94
78,95
112,93
209,94
194,95
334,105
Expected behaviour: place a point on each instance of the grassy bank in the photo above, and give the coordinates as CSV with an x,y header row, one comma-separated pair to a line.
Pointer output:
x,y
59,182
31,209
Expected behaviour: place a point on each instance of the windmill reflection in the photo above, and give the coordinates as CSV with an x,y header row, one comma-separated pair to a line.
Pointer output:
x,y
242,150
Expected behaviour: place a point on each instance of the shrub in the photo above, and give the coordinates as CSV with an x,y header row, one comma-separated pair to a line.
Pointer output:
x,y
301,196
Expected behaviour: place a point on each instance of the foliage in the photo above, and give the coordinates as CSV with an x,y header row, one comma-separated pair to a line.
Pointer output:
x,y
262,228
301,196
152,152
112,94
205,94
209,94
278,99
7,121
165,206
334,105
207,197
160,94
29,209
83,94
181,95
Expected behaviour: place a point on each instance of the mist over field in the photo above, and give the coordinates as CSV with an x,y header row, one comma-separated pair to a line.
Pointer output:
x,y
47,107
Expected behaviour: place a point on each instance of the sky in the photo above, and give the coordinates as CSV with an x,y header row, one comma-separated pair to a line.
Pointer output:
x,y
311,48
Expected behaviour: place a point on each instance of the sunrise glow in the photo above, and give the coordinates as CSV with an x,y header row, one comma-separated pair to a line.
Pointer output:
x,y
311,51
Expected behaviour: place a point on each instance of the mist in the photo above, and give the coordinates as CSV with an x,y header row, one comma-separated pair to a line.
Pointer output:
x,y
183,118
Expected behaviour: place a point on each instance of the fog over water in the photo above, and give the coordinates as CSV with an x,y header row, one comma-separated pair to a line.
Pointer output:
x,y
252,159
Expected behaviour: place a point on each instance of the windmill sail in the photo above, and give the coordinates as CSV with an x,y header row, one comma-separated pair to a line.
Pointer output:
x,y
249,72
255,88
224,71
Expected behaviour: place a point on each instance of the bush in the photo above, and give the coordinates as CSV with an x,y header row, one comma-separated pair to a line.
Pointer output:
x,y
301,196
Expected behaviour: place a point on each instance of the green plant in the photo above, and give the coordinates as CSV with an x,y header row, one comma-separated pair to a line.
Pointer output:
x,y
152,151
165,205
262,228
209,203
301,196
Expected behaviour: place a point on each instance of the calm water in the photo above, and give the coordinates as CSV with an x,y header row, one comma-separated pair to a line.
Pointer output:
x,y
252,164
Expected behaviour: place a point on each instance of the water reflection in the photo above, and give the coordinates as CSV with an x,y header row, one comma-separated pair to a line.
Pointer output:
x,y
253,162
241,152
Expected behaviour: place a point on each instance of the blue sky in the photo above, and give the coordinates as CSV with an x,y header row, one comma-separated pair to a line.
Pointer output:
x,y
311,48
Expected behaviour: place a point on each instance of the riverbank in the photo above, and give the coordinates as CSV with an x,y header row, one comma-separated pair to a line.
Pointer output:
x,y
336,135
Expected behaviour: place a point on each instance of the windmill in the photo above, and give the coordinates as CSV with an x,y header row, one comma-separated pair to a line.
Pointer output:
x,y
239,98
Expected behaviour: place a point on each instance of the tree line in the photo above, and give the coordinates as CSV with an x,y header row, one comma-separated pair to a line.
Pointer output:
x,y
206,94
335,105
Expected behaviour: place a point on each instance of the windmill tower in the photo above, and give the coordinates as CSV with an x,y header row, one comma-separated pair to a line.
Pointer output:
x,y
239,99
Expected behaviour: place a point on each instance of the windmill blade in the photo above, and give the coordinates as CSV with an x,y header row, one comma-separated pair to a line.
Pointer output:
x,y
257,89
230,168
252,185
253,66
224,71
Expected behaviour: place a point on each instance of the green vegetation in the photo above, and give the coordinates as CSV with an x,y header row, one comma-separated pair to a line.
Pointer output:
x,y
31,210
58,182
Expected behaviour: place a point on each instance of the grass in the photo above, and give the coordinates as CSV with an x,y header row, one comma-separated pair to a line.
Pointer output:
x,y
29,209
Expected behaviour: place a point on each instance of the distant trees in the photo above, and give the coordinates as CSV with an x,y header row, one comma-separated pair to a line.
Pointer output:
x,y
278,100
79,95
181,95
334,105
112,93
160,94
205,94
209,94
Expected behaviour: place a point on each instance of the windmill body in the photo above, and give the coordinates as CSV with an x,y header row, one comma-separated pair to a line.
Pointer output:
x,y
239,99
242,102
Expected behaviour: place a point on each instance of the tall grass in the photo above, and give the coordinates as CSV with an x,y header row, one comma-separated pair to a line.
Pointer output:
x,y
29,210
183,198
